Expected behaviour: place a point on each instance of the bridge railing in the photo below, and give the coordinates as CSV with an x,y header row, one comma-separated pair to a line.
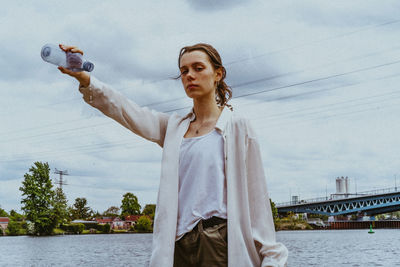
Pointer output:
x,y
340,196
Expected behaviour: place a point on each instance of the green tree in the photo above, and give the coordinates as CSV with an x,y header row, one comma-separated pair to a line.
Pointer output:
x,y
112,211
13,228
3,213
130,205
96,214
38,198
143,224
15,216
274,209
150,210
60,207
80,210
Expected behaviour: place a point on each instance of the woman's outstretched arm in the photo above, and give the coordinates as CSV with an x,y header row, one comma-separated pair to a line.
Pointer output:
x,y
144,122
149,124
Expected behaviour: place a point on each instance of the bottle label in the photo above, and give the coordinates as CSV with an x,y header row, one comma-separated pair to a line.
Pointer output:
x,y
74,60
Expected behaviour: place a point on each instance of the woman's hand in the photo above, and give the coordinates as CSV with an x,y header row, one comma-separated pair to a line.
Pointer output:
x,y
81,76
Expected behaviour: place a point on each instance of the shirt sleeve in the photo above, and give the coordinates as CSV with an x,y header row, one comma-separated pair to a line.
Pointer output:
x,y
271,252
144,122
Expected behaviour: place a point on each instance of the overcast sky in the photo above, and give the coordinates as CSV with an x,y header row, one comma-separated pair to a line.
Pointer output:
x,y
318,79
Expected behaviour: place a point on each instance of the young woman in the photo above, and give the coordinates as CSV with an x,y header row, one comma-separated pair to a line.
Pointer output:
x,y
212,185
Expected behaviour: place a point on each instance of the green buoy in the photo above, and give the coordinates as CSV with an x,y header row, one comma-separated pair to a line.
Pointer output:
x,y
370,229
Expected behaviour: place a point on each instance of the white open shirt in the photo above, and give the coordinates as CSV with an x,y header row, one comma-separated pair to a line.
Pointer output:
x,y
202,183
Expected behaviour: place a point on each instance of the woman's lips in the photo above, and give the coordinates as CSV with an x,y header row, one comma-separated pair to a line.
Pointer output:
x,y
191,86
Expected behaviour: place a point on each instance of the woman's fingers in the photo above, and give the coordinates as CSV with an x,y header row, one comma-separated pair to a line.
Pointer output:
x,y
76,50
64,70
72,49
81,76
67,71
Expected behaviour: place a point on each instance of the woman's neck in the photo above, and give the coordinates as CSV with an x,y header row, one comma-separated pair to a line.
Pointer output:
x,y
206,110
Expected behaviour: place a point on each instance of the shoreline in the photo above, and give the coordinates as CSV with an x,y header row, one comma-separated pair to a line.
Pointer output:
x,y
59,232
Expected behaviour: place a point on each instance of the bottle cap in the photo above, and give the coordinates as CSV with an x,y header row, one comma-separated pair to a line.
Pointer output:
x,y
88,66
46,51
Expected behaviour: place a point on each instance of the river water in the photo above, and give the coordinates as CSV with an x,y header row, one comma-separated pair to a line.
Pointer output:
x,y
306,248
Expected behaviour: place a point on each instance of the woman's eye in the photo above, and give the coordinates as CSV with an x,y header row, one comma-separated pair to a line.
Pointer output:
x,y
199,69
184,72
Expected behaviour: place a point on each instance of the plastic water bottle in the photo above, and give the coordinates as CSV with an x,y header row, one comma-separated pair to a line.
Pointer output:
x,y
73,61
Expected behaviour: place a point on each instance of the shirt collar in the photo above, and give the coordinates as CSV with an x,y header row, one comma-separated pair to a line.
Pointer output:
x,y
223,119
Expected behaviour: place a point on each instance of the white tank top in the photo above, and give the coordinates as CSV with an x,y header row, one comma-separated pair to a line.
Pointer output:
x,y
202,183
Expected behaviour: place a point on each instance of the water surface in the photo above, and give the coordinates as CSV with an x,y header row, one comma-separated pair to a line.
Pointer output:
x,y
306,248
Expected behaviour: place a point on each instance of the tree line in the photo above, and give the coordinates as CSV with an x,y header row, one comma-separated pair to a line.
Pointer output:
x,y
46,208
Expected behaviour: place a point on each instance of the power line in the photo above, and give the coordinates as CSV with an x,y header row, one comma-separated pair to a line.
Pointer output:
x,y
79,149
56,132
39,127
180,98
235,97
259,92
251,58
330,109
309,81
325,90
317,41
343,114
299,83
264,79
325,108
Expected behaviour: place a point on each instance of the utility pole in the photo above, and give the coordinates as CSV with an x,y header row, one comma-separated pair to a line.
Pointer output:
x,y
326,191
355,184
61,182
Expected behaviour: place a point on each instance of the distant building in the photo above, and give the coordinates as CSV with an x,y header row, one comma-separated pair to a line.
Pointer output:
x,y
4,223
104,220
131,220
118,224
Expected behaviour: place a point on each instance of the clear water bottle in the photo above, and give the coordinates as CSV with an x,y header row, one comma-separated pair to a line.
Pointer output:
x,y
73,61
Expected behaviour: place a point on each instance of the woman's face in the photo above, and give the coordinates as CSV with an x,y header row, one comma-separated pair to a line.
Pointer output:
x,y
198,75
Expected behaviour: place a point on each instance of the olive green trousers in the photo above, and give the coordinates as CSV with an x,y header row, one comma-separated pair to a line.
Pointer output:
x,y
203,247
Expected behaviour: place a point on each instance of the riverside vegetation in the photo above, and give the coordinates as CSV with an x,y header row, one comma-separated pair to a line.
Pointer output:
x,y
289,222
46,210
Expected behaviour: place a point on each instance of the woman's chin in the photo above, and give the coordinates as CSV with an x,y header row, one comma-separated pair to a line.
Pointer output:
x,y
192,95
196,95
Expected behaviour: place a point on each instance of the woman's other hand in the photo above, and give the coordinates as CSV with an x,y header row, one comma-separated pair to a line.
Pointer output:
x,y
81,76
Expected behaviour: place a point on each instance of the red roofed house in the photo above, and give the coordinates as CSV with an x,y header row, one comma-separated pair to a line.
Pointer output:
x,y
104,221
115,223
131,220
4,223
118,224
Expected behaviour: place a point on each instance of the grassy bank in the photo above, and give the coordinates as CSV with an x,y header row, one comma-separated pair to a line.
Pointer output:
x,y
291,224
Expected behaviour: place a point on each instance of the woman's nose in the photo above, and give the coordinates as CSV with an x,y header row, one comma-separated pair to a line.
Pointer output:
x,y
190,75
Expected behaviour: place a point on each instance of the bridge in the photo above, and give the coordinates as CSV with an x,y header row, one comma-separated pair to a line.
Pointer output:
x,y
369,203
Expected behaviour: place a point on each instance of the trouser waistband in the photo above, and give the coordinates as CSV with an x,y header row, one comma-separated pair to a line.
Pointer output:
x,y
211,222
